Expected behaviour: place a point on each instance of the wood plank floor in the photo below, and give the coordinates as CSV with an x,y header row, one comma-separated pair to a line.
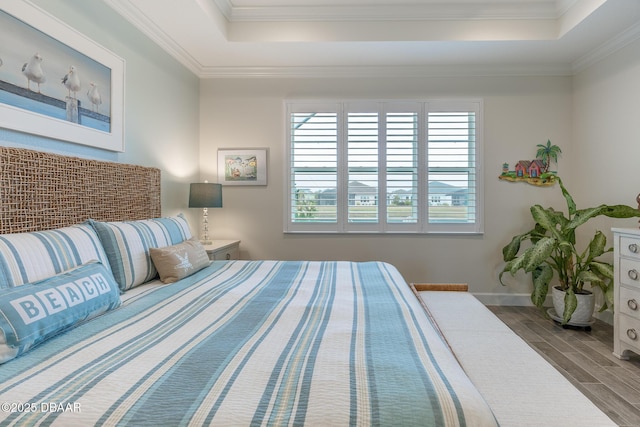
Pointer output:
x,y
584,358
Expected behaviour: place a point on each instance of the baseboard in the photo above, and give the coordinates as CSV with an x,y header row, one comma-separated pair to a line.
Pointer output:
x,y
524,300
504,299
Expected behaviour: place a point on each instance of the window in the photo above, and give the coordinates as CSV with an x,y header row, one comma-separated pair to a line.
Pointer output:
x,y
384,167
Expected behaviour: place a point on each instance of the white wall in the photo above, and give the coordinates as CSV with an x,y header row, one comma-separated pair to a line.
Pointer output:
x,y
161,102
520,112
606,112
606,107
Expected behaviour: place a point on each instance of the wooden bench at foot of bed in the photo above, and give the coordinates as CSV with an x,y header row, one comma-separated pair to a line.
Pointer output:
x,y
453,287
519,385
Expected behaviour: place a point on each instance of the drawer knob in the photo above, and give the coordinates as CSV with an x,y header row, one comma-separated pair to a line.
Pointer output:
x,y
631,333
633,304
633,248
228,256
633,274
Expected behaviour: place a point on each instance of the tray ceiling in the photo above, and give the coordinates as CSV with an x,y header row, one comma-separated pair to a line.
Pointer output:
x,y
312,38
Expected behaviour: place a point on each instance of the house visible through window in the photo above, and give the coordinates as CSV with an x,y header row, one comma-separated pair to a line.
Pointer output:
x,y
384,166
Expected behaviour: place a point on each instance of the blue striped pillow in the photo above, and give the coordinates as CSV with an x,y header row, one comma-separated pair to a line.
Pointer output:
x,y
35,312
127,245
28,257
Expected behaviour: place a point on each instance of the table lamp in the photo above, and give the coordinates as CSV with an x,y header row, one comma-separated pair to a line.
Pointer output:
x,y
205,195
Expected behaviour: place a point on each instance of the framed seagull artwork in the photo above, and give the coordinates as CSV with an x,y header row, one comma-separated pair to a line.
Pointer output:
x,y
57,83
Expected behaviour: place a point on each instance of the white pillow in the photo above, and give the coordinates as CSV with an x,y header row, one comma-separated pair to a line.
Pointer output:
x,y
127,245
28,257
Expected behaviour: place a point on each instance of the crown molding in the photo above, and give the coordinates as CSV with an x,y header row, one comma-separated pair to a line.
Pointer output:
x,y
446,10
563,6
611,46
138,18
498,70
156,34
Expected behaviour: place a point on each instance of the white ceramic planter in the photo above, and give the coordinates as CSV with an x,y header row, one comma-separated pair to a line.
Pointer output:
x,y
584,311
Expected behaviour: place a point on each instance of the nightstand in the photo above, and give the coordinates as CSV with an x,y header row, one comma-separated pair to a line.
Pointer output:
x,y
223,249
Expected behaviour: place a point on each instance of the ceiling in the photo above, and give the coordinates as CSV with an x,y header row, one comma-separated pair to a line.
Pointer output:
x,y
360,38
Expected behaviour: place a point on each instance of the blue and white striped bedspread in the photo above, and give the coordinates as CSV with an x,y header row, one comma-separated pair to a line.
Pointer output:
x,y
250,343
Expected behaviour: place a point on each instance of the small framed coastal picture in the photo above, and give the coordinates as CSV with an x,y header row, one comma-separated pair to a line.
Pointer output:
x,y
246,166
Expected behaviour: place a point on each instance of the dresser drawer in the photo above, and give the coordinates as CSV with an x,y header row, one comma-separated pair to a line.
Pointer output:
x,y
225,254
629,272
629,302
630,247
223,250
629,331
626,292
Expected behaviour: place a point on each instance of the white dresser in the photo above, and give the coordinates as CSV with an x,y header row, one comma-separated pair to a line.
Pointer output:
x,y
626,266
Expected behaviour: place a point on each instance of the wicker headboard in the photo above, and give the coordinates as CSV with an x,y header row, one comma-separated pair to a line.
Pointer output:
x,y
41,191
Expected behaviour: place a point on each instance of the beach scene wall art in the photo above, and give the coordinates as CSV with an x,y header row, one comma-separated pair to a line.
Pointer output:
x,y
57,82
242,166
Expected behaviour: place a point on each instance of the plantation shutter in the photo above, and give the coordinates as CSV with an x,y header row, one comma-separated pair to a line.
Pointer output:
x,y
402,166
363,158
384,166
313,166
452,165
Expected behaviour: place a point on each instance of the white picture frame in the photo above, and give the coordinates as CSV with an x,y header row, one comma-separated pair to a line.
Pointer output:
x,y
27,30
245,166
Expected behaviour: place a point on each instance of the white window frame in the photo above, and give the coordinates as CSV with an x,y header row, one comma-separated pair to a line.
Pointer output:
x,y
422,225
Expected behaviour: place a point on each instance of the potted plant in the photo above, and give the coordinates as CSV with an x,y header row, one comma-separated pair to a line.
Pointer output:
x,y
553,252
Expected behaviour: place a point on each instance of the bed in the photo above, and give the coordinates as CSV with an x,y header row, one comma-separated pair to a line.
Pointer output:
x,y
98,330
252,343
233,343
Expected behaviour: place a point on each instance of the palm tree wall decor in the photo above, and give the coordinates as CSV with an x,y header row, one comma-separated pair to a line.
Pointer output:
x,y
534,172
547,153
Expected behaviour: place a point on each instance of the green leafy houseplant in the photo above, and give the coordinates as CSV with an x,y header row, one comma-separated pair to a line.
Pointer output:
x,y
553,251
